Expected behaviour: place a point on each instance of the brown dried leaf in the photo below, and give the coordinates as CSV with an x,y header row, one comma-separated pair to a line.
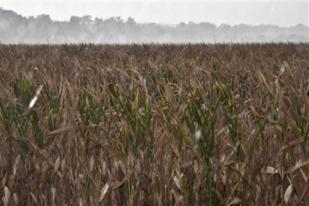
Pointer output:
x,y
16,164
91,163
177,182
7,195
103,192
61,130
57,164
15,198
35,200
288,193
235,201
290,144
304,175
298,165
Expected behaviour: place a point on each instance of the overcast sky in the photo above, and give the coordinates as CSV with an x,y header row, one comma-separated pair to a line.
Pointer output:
x,y
282,13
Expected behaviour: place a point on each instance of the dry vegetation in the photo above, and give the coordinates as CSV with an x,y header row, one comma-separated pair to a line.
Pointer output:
x,y
154,125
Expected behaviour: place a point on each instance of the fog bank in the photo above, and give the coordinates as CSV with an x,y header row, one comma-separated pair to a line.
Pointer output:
x,y
15,28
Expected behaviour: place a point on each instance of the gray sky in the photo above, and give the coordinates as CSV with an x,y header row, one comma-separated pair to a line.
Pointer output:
x,y
282,13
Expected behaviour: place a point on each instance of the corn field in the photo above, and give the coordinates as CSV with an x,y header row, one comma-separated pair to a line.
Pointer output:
x,y
154,124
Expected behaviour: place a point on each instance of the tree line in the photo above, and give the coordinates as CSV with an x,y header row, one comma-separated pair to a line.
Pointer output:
x,y
15,28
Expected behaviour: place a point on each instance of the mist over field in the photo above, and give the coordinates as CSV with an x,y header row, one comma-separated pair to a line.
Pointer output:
x,y
42,29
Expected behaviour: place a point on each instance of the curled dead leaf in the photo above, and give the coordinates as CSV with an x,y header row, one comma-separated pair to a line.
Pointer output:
x,y
287,193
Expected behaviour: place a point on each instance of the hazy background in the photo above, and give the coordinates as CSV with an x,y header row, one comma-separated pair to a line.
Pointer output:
x,y
229,21
282,13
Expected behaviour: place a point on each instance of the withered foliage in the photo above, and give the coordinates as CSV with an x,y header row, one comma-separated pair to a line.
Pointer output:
x,y
154,124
